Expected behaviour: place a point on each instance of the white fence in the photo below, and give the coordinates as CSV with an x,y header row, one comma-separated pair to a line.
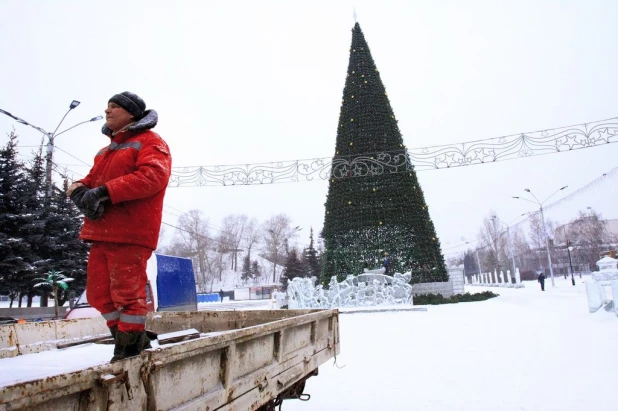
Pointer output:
x,y
496,279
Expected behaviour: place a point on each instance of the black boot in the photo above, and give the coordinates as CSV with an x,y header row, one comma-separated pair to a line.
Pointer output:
x,y
130,344
117,351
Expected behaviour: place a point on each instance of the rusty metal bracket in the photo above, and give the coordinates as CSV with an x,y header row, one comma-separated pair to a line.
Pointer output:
x,y
281,384
263,384
121,378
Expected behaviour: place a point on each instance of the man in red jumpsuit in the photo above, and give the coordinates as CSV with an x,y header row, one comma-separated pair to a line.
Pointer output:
x,y
122,199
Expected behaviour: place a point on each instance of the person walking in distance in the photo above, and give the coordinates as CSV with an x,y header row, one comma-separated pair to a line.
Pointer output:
x,y
122,201
542,281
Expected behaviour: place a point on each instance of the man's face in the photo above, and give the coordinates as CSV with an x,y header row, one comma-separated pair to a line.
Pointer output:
x,y
117,117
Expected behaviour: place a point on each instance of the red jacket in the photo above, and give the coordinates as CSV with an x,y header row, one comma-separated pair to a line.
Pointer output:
x,y
135,168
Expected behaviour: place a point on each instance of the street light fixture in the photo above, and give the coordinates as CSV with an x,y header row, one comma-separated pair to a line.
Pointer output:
x,y
50,141
540,204
97,118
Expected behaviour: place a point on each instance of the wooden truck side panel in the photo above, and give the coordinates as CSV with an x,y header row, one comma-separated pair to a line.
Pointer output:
x,y
246,359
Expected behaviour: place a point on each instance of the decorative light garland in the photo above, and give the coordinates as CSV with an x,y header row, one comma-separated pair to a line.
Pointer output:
x,y
419,159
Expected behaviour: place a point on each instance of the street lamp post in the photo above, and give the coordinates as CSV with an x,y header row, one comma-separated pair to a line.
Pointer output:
x,y
540,204
50,150
50,141
569,249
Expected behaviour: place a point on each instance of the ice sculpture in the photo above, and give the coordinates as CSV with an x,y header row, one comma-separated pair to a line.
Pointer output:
x,y
367,289
595,287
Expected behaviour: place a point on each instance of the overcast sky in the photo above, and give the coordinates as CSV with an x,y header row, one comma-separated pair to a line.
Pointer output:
x,y
241,82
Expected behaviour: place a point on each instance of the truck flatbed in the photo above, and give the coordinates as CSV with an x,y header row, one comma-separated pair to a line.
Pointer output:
x,y
242,360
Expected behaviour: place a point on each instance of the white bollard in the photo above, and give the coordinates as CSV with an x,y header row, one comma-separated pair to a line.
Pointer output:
x,y
595,296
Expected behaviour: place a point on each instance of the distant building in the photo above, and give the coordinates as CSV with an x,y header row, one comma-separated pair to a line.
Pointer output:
x,y
611,226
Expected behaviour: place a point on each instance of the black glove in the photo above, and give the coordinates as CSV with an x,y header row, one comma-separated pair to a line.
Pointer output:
x,y
92,198
89,201
77,194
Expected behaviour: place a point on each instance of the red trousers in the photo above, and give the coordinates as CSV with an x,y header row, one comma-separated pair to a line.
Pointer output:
x,y
116,284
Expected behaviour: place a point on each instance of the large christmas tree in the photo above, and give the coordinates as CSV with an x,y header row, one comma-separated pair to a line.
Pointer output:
x,y
380,212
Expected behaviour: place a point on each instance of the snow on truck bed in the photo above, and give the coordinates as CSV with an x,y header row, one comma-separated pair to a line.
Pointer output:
x,y
56,362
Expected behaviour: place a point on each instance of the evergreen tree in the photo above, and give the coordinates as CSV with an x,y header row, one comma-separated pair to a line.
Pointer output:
x,y
246,269
33,221
311,259
14,249
256,271
381,211
294,267
67,252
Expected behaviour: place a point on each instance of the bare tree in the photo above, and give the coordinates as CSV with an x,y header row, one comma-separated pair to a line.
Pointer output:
x,y
521,249
192,240
276,231
588,233
222,248
542,237
234,226
251,235
492,237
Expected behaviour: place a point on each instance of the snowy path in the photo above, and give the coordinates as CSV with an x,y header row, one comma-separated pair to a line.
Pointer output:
x,y
525,350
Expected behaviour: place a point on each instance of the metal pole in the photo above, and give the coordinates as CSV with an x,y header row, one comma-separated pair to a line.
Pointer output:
x,y
571,265
551,270
508,234
48,165
50,153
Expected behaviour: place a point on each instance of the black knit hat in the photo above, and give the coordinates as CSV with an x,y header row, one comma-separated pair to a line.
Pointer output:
x,y
130,102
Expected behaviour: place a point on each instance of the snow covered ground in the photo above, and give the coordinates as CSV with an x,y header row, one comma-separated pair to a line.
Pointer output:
x,y
524,350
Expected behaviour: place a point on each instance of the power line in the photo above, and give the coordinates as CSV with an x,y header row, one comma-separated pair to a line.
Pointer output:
x,y
199,235
599,180
71,155
57,168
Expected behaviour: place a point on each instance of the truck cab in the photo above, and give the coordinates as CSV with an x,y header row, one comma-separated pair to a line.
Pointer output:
x,y
170,287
